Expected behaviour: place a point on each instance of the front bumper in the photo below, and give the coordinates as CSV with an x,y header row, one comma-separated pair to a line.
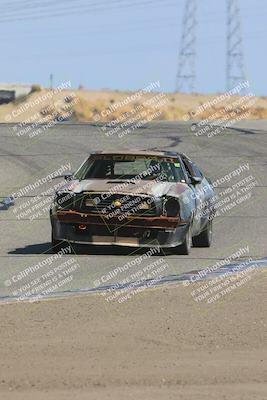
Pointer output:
x,y
134,231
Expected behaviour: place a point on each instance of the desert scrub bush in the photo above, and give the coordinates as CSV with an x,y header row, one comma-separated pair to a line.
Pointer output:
x,y
172,113
257,113
69,99
35,88
48,111
83,111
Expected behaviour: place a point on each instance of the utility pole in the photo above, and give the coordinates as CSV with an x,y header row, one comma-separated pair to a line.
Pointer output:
x,y
51,78
235,73
186,75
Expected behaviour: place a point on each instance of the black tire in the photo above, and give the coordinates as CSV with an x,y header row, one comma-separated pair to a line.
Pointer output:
x,y
57,245
204,239
184,248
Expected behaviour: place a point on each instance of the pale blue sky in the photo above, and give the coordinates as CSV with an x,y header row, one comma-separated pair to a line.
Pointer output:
x,y
124,48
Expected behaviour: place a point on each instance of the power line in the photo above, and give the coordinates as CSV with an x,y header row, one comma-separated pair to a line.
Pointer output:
x,y
60,5
30,4
94,7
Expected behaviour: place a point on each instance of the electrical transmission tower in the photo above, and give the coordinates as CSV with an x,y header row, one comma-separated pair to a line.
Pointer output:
x,y
186,75
235,58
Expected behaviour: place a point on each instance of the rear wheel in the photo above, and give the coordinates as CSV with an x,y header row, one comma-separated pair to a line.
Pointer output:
x,y
57,245
204,239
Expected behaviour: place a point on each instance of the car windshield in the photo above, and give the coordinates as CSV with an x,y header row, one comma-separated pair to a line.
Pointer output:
x,y
131,167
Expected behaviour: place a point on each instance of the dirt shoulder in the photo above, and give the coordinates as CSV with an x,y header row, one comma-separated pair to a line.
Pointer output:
x,y
159,345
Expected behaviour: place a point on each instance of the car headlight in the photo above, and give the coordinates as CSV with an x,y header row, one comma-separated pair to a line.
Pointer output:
x,y
91,202
171,207
144,206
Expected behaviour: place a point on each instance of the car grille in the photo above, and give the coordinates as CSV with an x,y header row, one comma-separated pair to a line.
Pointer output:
x,y
95,203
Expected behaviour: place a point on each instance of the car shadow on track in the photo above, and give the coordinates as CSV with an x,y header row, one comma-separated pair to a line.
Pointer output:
x,y
38,248
46,248
114,250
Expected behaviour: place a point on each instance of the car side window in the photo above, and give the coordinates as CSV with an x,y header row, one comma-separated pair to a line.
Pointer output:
x,y
192,169
196,170
187,167
185,172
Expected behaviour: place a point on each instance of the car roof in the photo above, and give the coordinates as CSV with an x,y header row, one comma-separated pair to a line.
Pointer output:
x,y
158,153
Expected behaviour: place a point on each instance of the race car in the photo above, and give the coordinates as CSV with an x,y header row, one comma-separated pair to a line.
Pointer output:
x,y
136,199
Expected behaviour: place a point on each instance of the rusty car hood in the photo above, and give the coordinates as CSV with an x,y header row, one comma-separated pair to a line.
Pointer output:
x,y
144,187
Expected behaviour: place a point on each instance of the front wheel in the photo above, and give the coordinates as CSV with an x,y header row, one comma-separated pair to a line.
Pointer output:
x,y
204,239
184,248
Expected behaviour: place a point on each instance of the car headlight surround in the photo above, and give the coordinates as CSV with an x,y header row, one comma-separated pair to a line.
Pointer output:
x,y
64,200
171,207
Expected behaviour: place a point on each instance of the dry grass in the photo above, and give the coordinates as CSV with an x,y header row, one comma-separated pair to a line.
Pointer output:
x,y
82,105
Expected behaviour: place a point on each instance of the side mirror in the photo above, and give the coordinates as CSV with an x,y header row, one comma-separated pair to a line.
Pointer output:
x,y
68,176
196,180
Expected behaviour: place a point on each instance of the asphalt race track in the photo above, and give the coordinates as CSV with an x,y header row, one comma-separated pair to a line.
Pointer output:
x,y
25,237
